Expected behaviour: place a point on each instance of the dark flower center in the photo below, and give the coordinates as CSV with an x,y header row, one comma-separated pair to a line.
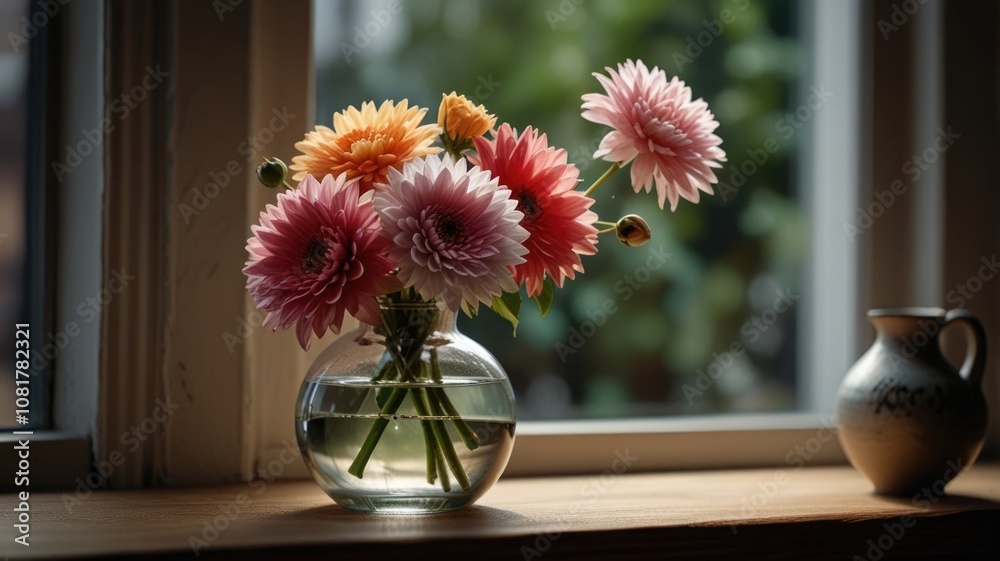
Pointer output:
x,y
527,204
315,255
449,228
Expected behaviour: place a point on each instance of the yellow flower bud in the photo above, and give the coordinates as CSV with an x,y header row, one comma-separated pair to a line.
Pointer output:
x,y
632,230
462,121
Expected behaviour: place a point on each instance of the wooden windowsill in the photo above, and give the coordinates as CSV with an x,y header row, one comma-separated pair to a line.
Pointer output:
x,y
815,513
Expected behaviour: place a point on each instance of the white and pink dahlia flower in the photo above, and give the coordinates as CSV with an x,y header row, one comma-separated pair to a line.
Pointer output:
x,y
454,231
668,138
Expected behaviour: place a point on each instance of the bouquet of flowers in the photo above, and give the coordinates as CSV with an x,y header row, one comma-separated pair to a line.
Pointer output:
x,y
381,215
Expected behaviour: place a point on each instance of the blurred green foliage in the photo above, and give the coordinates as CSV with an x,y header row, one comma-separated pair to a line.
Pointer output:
x,y
529,62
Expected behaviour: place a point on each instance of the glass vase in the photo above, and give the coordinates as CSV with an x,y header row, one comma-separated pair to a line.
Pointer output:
x,y
407,417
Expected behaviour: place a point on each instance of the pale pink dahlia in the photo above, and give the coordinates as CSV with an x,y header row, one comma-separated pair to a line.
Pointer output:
x,y
455,232
317,255
669,136
556,216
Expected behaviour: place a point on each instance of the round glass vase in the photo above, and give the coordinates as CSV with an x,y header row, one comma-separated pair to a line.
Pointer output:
x,y
408,417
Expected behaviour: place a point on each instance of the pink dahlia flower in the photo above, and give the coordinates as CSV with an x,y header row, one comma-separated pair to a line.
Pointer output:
x,y
317,255
669,137
557,218
455,232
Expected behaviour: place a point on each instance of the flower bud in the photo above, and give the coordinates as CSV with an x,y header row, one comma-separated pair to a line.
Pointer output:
x,y
461,121
272,173
632,230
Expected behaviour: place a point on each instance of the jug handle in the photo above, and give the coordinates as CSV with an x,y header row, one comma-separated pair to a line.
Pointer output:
x,y
975,352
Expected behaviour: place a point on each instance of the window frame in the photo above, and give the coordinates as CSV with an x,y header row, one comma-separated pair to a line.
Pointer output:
x,y
68,48
40,222
831,339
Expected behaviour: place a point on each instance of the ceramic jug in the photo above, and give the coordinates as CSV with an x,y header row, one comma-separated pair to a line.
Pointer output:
x,y
908,420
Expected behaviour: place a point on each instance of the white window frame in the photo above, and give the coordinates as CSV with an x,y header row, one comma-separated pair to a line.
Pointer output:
x,y
831,157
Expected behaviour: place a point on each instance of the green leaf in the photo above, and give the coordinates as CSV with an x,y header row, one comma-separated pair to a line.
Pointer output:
x,y
508,307
546,296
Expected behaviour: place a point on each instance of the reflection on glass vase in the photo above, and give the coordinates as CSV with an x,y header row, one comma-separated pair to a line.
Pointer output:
x,y
407,417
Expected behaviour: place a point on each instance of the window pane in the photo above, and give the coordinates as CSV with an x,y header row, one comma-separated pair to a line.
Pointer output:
x,y
703,318
13,113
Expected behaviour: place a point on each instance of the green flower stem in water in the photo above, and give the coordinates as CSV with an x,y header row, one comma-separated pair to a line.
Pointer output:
x,y
442,468
406,330
432,451
439,445
446,446
392,404
386,367
434,463
469,436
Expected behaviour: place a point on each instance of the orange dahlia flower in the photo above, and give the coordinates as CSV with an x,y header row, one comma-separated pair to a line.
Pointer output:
x,y
365,144
461,120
